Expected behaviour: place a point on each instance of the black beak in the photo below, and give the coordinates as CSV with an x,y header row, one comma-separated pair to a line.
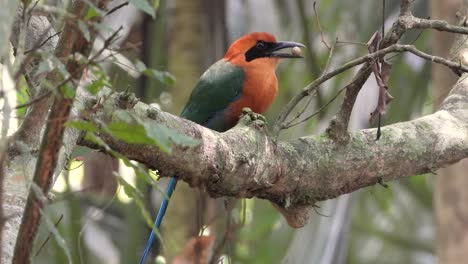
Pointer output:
x,y
275,49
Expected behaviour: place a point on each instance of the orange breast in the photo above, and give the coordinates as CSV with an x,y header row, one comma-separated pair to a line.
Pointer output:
x,y
259,91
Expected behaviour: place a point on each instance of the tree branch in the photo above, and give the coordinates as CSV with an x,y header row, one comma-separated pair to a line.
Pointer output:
x,y
246,162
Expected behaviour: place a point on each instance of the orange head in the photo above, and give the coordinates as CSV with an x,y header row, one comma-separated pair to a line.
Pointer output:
x,y
259,49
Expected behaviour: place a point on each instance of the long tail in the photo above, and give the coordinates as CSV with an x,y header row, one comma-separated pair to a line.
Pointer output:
x,y
159,217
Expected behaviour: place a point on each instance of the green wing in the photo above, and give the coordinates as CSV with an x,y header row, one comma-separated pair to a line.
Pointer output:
x,y
219,86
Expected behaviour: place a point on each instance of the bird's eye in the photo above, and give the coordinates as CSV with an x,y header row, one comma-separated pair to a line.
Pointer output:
x,y
260,44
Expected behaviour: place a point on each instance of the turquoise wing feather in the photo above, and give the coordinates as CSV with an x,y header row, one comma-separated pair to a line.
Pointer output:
x,y
219,86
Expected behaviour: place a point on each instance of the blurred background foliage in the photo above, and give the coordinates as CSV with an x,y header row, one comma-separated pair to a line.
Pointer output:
x,y
102,212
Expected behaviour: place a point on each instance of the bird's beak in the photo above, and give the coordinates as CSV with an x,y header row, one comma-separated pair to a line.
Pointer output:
x,y
277,49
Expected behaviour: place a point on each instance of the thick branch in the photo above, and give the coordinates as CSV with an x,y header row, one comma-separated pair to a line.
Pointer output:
x,y
246,162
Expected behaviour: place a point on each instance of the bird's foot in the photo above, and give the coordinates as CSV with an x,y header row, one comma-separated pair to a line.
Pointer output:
x,y
251,118
127,100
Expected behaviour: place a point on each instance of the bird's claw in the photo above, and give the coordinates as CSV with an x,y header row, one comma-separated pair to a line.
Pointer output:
x,y
253,116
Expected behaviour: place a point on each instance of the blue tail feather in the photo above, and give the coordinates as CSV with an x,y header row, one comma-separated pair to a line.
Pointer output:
x,y
157,223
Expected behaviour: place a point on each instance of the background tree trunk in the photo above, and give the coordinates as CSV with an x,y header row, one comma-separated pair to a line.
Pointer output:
x,y
450,192
99,176
198,38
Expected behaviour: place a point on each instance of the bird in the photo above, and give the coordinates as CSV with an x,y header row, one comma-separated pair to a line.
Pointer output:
x,y
244,78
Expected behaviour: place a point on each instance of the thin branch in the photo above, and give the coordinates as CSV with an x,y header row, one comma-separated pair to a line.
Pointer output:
x,y
379,123
116,8
290,124
35,100
344,42
320,28
302,111
48,236
311,59
440,25
36,47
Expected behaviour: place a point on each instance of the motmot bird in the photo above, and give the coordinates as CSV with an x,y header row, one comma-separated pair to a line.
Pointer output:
x,y
245,77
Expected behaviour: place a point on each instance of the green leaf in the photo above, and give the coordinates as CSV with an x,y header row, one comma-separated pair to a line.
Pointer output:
x,y
136,134
104,28
95,86
101,80
97,140
91,13
153,131
49,63
144,6
129,190
50,226
96,10
84,29
132,192
154,176
68,91
123,115
140,66
80,151
147,132
45,65
82,125
167,136
57,236
22,97
163,76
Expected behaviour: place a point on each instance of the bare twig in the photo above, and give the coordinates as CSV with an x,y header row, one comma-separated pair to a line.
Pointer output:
x,y
320,28
379,123
440,25
302,111
116,8
290,124
48,236
35,100
312,59
36,47
344,42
